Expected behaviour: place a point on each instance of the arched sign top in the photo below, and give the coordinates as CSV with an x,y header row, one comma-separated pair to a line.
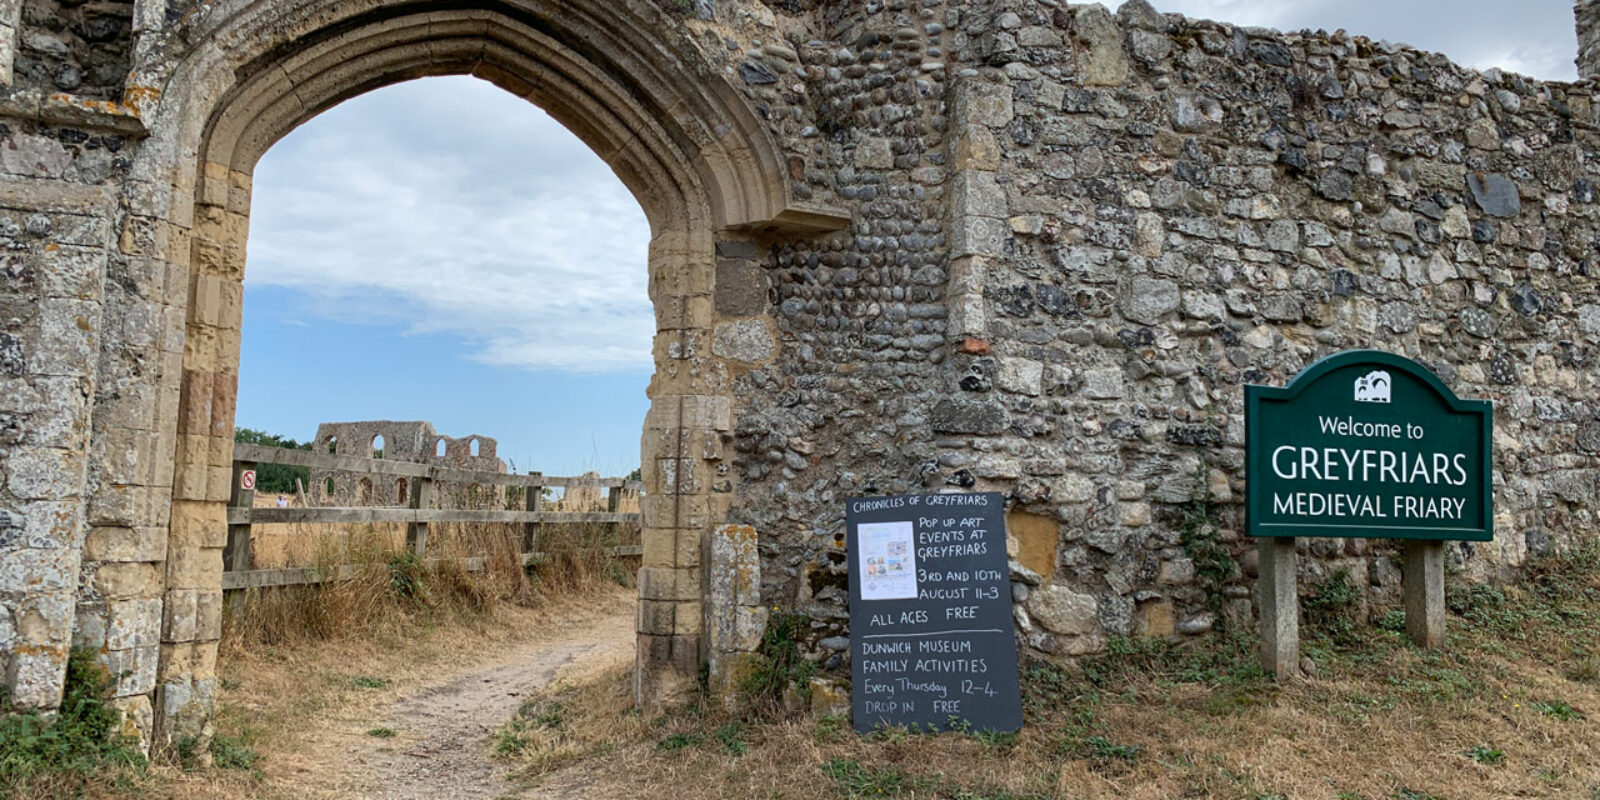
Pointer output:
x,y
1368,444
1376,358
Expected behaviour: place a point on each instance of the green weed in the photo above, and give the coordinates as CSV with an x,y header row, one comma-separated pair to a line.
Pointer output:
x,y
854,780
779,663
731,737
1559,710
1484,754
82,740
680,741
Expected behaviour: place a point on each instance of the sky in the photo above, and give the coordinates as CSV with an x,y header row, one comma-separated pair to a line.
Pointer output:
x,y
442,250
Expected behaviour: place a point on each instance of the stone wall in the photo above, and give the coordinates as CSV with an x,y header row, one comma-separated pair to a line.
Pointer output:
x,y
77,47
898,245
416,442
1141,214
1588,18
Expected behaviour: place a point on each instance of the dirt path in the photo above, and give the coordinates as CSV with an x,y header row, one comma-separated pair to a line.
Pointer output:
x,y
441,749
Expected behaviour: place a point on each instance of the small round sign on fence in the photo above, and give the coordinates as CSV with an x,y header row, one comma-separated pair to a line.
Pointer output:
x,y
247,480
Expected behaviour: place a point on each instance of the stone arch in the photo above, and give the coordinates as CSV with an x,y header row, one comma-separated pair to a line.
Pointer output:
x,y
685,143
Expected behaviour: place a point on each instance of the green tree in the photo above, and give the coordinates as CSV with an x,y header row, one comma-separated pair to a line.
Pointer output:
x,y
274,478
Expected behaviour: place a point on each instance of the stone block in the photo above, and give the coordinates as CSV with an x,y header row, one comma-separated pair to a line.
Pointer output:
x,y
969,415
830,698
978,236
975,193
742,288
180,616
44,473
1147,300
976,149
133,670
749,341
133,624
1036,537
1020,375
1156,620
127,580
115,543
208,615
36,677
1103,384
982,102
1495,194
875,152
1061,610
1103,63
138,718
736,567
664,583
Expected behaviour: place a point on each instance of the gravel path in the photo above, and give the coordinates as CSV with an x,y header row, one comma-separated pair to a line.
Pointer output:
x,y
442,746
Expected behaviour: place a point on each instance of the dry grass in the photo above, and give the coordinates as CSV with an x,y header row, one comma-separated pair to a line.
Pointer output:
x,y
395,591
1508,709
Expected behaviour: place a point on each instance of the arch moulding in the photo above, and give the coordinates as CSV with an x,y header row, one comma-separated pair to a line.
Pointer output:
x,y
626,80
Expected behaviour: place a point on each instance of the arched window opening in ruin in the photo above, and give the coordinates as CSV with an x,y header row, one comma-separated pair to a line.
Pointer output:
x,y
377,446
333,445
472,447
439,448
327,489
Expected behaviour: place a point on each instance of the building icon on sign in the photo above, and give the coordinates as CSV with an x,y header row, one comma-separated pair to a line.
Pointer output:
x,y
1373,387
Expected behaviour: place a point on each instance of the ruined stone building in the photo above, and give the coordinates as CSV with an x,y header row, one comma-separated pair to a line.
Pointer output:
x,y
416,442
897,245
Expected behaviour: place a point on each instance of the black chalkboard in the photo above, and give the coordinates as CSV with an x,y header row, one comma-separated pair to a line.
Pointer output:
x,y
931,640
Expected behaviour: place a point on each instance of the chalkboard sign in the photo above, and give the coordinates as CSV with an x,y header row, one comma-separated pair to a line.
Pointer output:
x,y
931,641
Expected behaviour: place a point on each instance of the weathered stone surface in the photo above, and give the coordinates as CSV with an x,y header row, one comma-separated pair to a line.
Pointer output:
x,y
741,288
745,340
1496,194
964,415
1063,611
1150,299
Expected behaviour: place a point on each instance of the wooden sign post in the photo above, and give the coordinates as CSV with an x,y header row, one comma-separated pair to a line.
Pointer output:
x,y
1363,444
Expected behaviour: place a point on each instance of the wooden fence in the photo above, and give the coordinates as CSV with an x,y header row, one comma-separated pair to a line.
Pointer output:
x,y
418,515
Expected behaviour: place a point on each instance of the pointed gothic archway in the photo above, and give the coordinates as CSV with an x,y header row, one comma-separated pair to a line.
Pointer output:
x,y
695,157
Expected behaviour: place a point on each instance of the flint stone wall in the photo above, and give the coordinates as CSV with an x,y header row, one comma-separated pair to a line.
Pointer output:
x,y
1072,236
1143,214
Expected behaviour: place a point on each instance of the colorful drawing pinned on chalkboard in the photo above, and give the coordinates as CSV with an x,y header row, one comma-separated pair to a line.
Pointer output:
x,y
888,561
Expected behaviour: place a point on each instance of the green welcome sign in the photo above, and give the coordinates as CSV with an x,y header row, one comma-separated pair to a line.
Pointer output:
x,y
1368,444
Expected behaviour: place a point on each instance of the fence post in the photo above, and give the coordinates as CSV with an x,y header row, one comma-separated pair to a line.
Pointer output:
x,y
613,505
421,500
532,498
236,553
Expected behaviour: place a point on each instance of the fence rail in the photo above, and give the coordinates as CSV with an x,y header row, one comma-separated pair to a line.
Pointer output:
x,y
417,515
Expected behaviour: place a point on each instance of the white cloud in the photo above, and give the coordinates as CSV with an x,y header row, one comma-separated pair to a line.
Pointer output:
x,y
450,206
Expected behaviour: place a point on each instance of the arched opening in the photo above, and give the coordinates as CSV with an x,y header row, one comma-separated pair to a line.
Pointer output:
x,y
439,448
376,447
627,81
333,445
472,447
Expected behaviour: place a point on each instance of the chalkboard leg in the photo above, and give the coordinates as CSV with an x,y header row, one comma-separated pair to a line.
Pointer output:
x,y
1280,608
1424,591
